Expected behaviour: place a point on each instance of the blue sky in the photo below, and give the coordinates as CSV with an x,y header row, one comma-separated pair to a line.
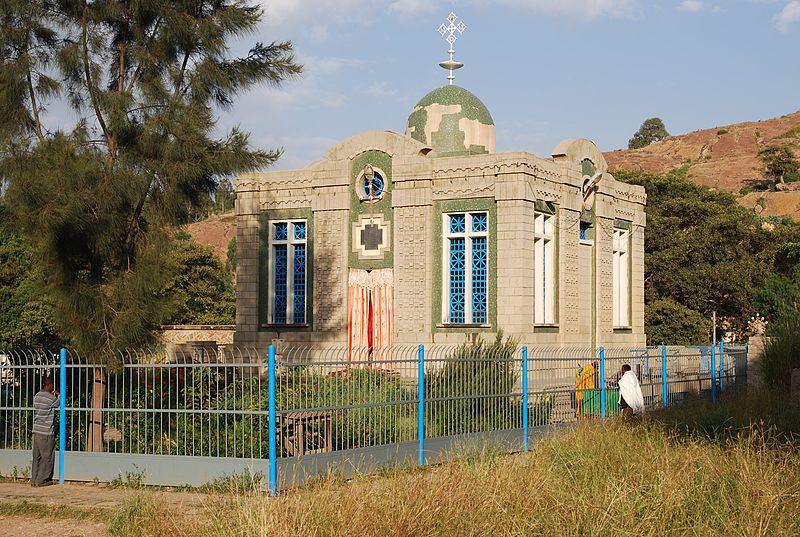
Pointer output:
x,y
546,69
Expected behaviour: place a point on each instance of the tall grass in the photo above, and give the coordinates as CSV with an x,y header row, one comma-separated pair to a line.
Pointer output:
x,y
616,478
781,354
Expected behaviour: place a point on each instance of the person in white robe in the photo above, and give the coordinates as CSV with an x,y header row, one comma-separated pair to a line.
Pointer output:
x,y
631,400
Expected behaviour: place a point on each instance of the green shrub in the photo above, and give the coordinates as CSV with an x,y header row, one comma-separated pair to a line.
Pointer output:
x,y
539,409
472,392
767,186
228,417
794,132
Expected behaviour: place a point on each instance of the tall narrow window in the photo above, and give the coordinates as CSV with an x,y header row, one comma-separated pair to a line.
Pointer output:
x,y
621,278
544,263
466,268
288,247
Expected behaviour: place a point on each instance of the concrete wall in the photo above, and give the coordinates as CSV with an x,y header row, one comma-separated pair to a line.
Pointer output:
x,y
187,340
756,352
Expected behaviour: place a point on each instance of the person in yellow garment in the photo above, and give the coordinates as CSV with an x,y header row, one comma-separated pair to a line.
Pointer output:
x,y
585,379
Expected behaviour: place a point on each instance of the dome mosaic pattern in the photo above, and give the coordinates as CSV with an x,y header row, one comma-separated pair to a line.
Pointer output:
x,y
453,122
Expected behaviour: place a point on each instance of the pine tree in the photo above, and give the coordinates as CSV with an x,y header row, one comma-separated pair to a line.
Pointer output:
x,y
99,201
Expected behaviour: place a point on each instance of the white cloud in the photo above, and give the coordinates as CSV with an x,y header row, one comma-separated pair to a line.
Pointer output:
x,y
311,90
696,6
691,6
412,7
381,89
317,12
788,16
300,150
580,9
320,13
327,65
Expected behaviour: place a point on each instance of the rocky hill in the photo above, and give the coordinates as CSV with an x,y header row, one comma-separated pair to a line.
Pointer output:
x,y
724,158
215,231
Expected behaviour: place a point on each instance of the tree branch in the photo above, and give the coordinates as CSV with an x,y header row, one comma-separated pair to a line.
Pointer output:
x,y
179,80
121,69
133,228
37,125
123,49
90,84
138,71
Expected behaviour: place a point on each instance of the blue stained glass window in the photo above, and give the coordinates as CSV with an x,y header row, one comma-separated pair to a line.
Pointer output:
x,y
479,222
281,267
378,185
584,231
299,231
281,232
479,278
299,283
458,291
458,223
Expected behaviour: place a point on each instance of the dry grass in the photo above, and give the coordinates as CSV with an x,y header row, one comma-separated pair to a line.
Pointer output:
x,y
53,511
614,479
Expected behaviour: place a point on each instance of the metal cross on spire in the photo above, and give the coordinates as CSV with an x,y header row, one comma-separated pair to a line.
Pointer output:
x,y
451,30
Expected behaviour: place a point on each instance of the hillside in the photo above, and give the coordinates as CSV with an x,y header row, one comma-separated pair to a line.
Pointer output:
x,y
215,231
724,158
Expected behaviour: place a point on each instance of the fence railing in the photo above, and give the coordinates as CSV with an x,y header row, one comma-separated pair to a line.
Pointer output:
x,y
240,404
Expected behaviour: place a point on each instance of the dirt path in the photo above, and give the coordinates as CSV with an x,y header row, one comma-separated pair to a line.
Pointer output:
x,y
43,527
68,509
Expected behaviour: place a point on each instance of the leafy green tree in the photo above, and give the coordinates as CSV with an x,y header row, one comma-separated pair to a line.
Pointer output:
x,y
652,130
230,256
779,297
221,200
201,288
668,322
703,251
97,202
780,164
224,197
26,312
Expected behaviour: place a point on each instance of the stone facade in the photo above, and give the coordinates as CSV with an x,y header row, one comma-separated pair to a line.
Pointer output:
x,y
192,341
327,197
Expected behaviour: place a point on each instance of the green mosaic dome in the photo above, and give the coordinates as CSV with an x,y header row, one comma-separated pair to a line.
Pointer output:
x,y
453,122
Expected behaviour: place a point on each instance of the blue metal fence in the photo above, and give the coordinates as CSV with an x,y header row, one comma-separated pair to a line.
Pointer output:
x,y
308,408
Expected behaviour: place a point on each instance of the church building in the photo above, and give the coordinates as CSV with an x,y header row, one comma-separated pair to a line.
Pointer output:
x,y
432,235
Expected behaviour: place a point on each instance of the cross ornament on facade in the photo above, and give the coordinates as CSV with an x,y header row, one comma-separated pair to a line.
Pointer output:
x,y
371,237
369,190
452,30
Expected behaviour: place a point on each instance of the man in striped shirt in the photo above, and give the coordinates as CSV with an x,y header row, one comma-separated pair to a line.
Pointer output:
x,y
45,404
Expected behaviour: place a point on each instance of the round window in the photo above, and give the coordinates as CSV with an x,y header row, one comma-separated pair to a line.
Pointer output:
x,y
371,185
377,186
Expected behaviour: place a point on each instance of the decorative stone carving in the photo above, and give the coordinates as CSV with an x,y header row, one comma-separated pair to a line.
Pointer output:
x,y
371,237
